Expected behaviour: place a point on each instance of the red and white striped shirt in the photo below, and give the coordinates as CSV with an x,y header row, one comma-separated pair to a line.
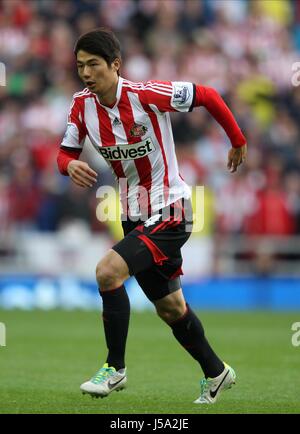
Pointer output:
x,y
135,137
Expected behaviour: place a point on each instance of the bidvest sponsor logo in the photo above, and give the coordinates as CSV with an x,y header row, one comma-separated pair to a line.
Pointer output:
x,y
128,152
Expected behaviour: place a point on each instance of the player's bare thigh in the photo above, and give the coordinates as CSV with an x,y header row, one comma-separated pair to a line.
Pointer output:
x,y
111,271
171,307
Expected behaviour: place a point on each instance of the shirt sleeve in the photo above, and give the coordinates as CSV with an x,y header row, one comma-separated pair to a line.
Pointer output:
x,y
64,157
76,131
215,105
73,140
169,96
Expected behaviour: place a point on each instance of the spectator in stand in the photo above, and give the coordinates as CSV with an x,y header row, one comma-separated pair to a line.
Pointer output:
x,y
272,213
243,48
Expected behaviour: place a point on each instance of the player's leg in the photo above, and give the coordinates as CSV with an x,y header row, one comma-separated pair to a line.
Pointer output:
x,y
127,257
189,332
111,272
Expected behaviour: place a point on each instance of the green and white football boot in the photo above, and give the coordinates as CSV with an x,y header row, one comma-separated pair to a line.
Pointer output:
x,y
105,381
212,387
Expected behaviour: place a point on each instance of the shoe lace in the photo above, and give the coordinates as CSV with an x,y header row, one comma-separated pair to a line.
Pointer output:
x,y
204,385
102,375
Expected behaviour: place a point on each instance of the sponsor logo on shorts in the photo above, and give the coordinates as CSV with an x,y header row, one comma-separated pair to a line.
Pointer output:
x,y
152,220
128,152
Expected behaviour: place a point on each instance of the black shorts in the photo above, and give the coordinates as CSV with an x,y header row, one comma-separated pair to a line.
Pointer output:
x,y
151,248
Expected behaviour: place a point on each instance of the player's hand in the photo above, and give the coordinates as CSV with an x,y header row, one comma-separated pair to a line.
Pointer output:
x,y
81,173
236,156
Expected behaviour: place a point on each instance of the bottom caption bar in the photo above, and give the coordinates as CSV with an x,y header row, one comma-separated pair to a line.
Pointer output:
x,y
150,423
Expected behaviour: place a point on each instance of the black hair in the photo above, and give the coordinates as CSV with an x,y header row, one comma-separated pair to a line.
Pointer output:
x,y
101,42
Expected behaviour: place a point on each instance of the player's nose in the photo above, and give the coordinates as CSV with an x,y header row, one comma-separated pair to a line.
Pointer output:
x,y
86,72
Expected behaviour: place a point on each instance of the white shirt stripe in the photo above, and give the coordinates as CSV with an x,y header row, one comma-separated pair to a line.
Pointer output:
x,y
92,122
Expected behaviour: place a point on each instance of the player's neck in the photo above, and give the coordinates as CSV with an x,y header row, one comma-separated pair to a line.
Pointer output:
x,y
110,96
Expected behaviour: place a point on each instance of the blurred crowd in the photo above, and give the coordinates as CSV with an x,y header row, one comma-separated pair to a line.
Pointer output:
x,y
244,49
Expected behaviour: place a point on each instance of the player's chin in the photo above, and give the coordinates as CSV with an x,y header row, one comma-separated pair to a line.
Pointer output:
x,y
92,87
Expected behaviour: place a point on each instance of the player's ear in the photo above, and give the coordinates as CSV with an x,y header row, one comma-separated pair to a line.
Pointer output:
x,y
116,65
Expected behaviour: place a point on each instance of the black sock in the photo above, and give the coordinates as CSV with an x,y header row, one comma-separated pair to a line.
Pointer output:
x,y
116,312
189,332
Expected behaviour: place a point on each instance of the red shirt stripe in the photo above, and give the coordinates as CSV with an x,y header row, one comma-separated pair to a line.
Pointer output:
x,y
155,125
142,165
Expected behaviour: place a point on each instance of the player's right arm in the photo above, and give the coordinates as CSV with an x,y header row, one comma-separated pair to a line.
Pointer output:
x,y
71,147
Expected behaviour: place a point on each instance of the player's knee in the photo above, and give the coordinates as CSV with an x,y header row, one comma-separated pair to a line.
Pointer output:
x,y
106,277
171,313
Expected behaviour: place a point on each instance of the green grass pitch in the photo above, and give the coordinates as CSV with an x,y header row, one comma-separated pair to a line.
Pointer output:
x,y
49,354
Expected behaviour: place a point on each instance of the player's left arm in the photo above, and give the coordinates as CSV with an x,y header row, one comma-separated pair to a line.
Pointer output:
x,y
216,106
167,96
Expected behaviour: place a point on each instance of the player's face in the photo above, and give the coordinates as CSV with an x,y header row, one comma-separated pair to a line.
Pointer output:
x,y
97,75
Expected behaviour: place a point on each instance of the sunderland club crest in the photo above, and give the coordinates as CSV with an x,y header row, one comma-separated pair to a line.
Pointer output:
x,y
138,130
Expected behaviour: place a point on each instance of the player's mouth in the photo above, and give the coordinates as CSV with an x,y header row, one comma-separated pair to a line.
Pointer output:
x,y
90,84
